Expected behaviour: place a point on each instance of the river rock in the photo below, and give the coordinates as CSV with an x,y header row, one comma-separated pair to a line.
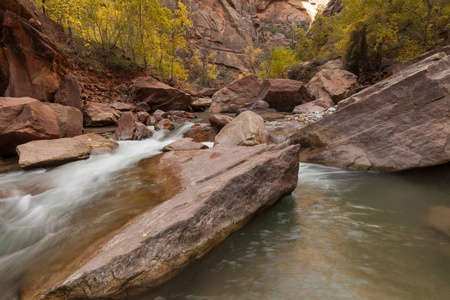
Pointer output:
x,y
239,93
183,145
201,133
402,122
48,153
142,116
128,129
69,92
219,121
333,84
284,94
437,217
247,129
164,124
23,120
321,104
159,95
121,106
97,144
99,114
70,119
217,191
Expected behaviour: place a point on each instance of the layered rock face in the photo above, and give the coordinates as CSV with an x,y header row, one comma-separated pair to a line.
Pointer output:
x,y
29,61
402,122
227,27
219,190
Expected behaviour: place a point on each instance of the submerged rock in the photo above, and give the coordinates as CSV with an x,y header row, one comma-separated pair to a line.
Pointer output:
x,y
219,190
247,129
402,122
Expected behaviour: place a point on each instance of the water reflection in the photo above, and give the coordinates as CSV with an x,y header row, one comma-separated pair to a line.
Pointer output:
x,y
342,235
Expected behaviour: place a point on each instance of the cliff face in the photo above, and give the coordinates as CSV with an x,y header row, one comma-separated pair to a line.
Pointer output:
x,y
227,27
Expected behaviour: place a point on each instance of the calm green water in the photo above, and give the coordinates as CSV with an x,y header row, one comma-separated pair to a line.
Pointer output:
x,y
341,235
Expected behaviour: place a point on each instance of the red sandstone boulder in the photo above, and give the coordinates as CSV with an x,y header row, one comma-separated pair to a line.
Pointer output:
x,y
178,115
70,119
128,129
247,129
240,93
99,114
219,121
158,95
284,94
201,133
333,84
208,92
23,120
400,123
142,116
69,92
183,145
164,124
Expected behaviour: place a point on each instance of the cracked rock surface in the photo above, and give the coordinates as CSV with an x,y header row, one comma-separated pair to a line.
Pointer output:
x,y
403,122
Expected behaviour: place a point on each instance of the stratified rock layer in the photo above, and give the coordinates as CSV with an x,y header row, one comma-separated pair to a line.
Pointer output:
x,y
400,123
220,190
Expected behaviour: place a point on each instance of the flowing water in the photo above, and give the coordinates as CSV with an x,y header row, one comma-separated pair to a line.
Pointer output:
x,y
340,235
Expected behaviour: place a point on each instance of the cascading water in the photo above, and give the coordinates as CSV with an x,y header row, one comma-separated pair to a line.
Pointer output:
x,y
340,235
45,212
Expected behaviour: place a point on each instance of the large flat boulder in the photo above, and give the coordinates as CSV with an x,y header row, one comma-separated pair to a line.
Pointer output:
x,y
239,93
247,129
48,153
283,94
158,95
332,84
23,120
402,122
70,119
218,191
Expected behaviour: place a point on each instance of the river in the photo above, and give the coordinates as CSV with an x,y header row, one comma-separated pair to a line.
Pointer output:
x,y
340,235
